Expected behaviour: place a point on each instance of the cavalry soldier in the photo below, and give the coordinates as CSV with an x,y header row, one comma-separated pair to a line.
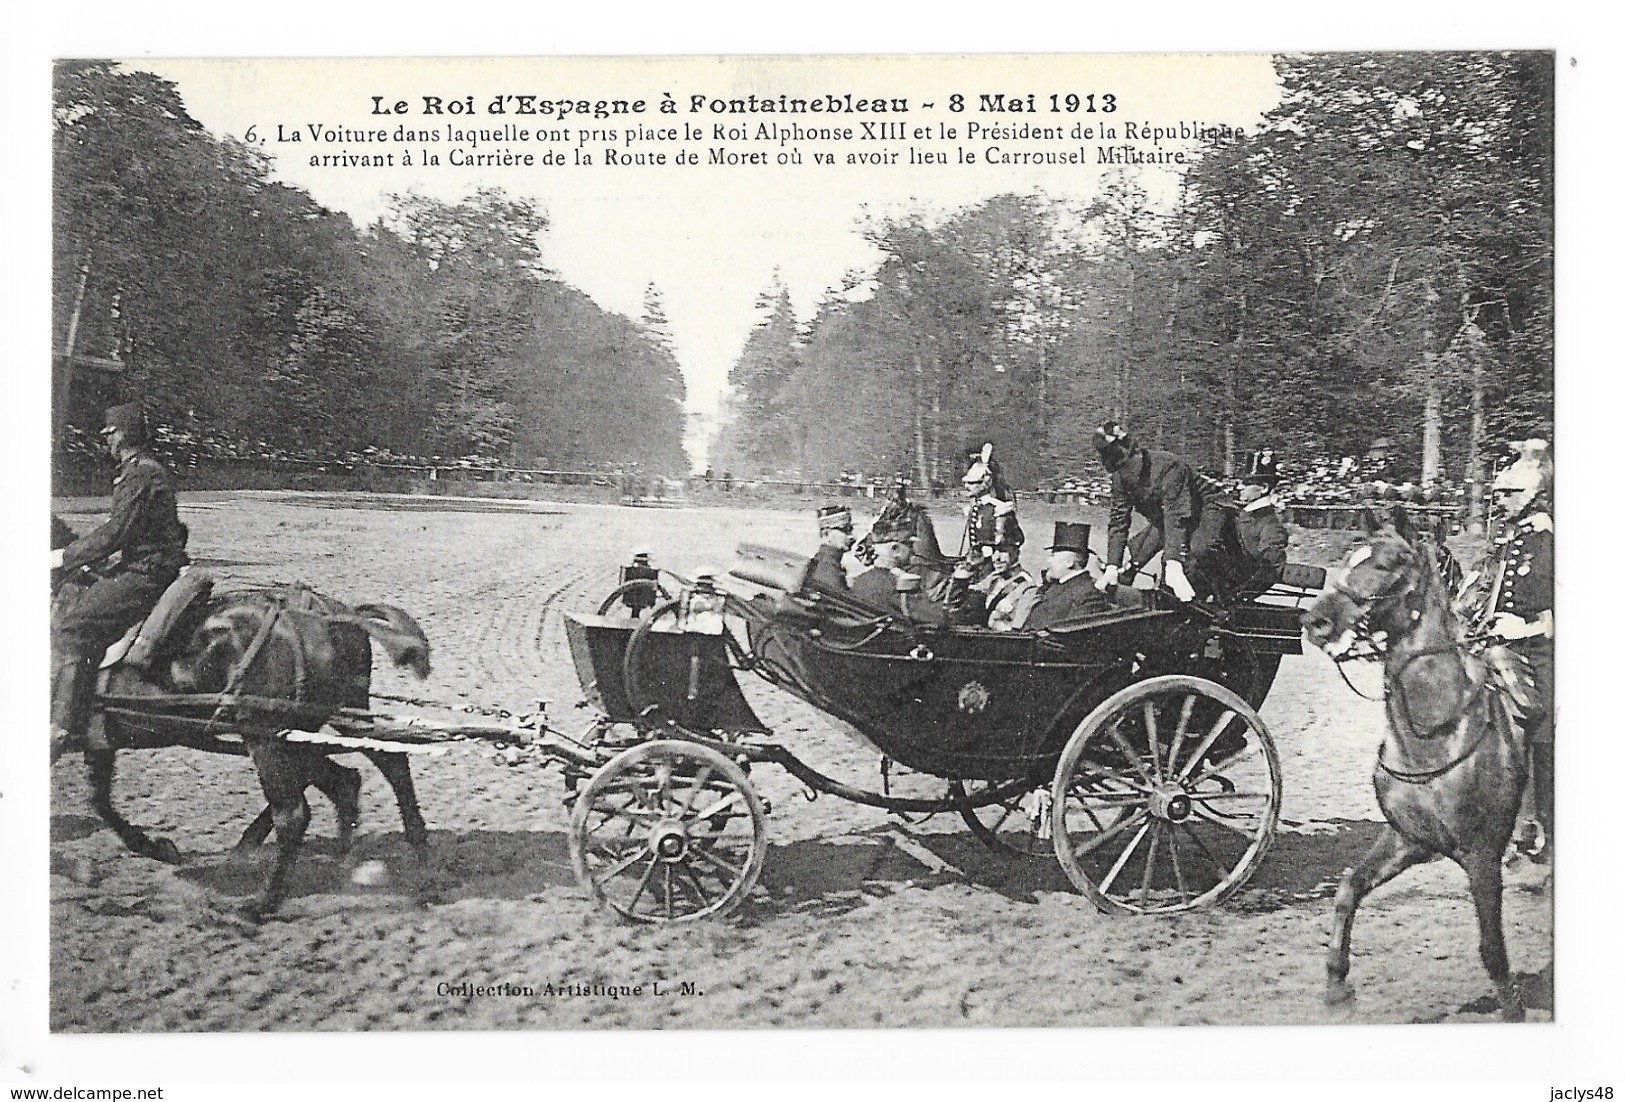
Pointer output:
x,y
1187,520
835,540
1519,610
1071,592
990,519
146,534
1259,530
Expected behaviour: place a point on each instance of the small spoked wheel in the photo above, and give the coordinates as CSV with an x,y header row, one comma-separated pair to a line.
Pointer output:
x,y
669,831
633,596
1017,824
1166,797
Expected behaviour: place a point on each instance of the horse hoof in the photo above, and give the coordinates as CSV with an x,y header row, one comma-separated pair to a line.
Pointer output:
x,y
166,851
1512,1008
1339,992
256,911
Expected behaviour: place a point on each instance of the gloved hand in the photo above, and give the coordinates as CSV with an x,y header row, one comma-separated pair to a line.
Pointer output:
x,y
56,559
1107,579
1175,578
1510,626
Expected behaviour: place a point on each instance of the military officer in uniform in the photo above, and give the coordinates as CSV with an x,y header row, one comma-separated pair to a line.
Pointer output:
x,y
990,519
1519,610
835,540
890,584
1071,592
1009,592
1259,531
146,534
1185,511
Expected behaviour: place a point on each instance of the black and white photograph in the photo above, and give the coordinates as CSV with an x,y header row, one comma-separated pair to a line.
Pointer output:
x,y
780,543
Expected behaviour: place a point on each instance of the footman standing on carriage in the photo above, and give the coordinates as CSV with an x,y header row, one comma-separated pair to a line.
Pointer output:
x,y
147,535
1259,529
1186,517
1519,611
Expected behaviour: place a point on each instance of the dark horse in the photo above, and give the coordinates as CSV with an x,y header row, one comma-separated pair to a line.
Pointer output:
x,y
238,670
1451,768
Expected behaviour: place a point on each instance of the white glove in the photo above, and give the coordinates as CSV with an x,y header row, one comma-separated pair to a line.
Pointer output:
x,y
1108,578
1510,626
1174,575
56,559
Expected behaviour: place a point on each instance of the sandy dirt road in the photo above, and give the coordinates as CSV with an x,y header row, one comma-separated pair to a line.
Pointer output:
x,y
861,920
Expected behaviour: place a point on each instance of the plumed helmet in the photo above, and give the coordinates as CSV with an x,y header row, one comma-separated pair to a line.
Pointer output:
x,y
1115,444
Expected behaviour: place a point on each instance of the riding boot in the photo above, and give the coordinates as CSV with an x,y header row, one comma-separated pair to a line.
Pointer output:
x,y
72,682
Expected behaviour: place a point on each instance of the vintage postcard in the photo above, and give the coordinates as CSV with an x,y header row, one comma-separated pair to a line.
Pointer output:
x,y
724,543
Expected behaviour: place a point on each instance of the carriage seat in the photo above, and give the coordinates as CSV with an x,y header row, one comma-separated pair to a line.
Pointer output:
x,y
146,636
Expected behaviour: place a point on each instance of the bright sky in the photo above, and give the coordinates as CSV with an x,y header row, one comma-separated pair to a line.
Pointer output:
x,y
711,237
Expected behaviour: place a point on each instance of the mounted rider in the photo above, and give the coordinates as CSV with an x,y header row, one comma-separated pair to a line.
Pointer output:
x,y
1185,510
145,533
1519,611
990,518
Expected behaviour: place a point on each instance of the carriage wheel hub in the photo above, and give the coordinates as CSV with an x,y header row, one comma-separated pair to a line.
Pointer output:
x,y
1171,803
669,841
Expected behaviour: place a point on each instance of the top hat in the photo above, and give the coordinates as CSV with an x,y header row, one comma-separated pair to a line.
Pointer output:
x,y
1262,468
1115,444
1070,536
834,516
129,420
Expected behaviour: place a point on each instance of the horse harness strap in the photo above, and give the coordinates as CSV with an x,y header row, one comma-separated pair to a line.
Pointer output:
x,y
240,668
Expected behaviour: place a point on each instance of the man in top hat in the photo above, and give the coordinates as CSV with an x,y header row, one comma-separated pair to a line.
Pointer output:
x,y
1186,521
147,535
1259,531
990,518
1071,592
834,541
1519,611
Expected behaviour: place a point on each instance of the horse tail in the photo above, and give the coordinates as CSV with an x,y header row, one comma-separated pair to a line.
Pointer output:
x,y
400,636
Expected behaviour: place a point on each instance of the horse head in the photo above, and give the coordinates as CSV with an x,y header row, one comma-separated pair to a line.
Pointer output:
x,y
1377,594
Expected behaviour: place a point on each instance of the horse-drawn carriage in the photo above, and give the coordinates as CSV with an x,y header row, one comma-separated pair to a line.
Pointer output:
x,y
1127,744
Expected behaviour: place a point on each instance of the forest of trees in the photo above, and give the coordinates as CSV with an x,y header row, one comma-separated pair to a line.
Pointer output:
x,y
238,309
1374,261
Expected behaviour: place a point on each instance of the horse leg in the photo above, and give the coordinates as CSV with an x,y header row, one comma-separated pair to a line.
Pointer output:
x,y
397,770
1391,855
339,783
1483,868
283,780
99,771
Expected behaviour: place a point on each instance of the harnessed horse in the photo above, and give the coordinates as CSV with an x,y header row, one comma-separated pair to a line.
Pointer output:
x,y
252,665
1452,765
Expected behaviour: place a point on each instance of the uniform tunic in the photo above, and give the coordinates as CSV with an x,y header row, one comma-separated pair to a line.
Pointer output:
x,y
1263,542
1525,565
827,572
991,522
877,586
1010,598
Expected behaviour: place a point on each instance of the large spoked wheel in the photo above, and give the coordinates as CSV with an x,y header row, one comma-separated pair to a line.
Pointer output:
x,y
1018,824
668,832
1166,797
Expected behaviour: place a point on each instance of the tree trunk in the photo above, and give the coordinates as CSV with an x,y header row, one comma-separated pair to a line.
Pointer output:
x,y
62,380
922,469
1433,394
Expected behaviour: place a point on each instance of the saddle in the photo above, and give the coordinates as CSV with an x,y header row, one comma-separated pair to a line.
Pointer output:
x,y
146,637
